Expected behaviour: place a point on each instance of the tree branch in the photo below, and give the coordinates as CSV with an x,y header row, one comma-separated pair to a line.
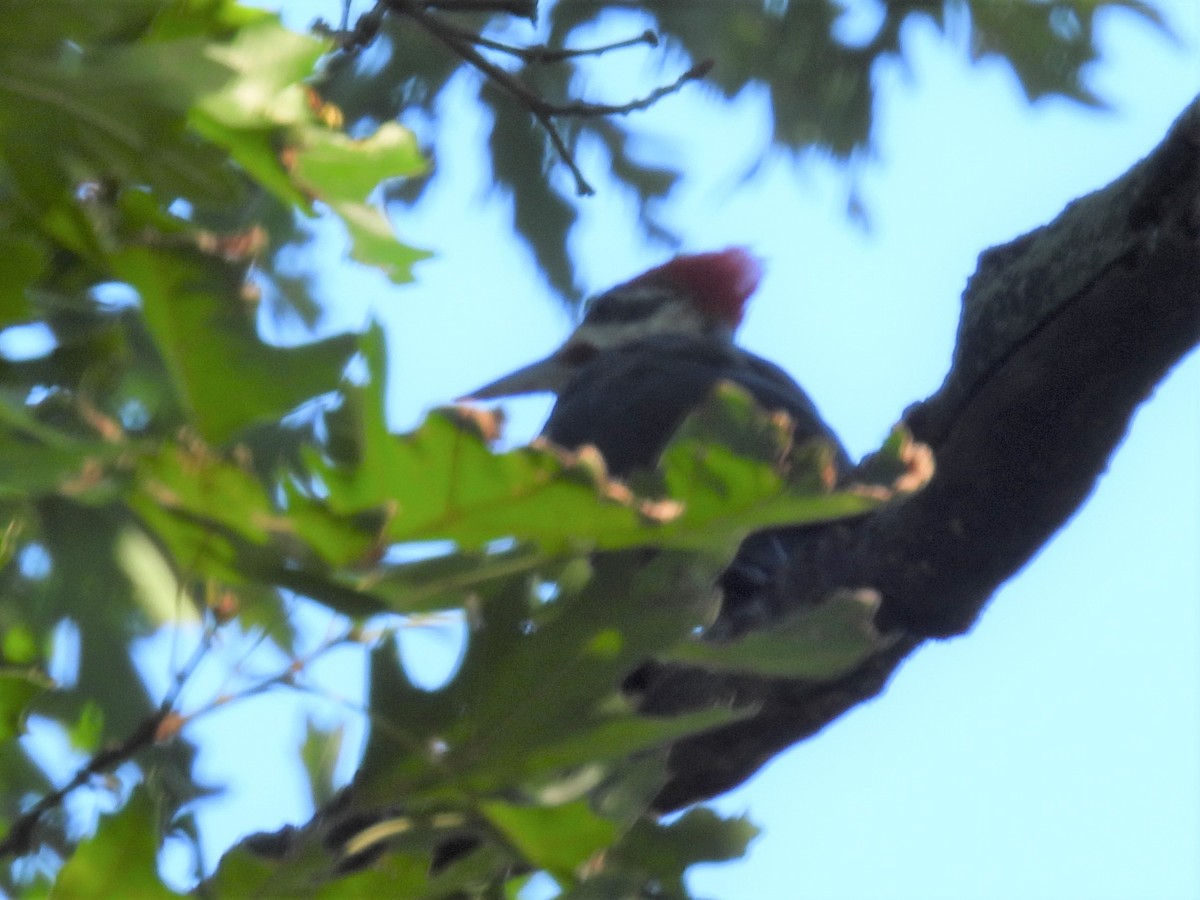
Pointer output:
x,y
540,54
526,9
19,840
1064,332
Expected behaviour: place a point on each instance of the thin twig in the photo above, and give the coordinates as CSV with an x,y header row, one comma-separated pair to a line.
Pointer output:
x,y
526,9
284,678
20,838
451,36
464,43
365,30
538,54
146,733
582,109
461,43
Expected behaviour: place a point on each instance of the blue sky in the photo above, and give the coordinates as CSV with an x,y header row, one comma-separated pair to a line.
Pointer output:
x,y
1055,750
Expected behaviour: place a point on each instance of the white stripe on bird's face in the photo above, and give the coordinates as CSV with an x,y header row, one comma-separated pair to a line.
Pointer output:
x,y
633,312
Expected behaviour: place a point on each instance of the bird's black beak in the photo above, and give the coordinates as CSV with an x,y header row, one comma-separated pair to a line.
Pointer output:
x,y
549,374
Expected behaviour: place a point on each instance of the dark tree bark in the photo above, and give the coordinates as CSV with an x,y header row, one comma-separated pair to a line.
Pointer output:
x,y
1063,333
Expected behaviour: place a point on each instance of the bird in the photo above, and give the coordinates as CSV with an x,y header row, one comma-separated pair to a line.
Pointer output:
x,y
645,354
648,351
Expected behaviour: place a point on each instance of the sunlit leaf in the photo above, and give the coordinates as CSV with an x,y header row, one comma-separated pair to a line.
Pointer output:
x,y
344,172
267,98
443,481
339,168
270,63
558,839
319,754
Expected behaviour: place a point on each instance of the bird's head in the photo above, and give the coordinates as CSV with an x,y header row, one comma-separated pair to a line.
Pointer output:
x,y
702,294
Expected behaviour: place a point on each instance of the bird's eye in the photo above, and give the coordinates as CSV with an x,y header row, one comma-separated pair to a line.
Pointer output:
x,y
622,308
578,354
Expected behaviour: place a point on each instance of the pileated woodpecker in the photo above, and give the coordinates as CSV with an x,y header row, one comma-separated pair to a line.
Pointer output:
x,y
646,353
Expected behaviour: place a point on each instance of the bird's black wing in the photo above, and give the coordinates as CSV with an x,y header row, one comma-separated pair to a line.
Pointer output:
x,y
629,400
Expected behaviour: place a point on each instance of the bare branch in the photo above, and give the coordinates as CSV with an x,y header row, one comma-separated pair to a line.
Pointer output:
x,y
19,840
452,36
365,30
461,43
464,43
583,109
538,54
526,9
163,723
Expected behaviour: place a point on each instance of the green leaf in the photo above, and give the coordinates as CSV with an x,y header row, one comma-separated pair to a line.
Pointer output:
x,y
442,481
265,105
48,23
119,861
193,484
269,64
225,375
1048,45
628,611
87,733
24,258
374,243
442,582
319,753
732,467
632,608
200,18
343,172
204,546
558,839
725,497
542,212
197,483
822,643
396,875
36,458
18,687
243,873
154,585
217,520
66,116
338,168
88,583
664,852
614,736
19,646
